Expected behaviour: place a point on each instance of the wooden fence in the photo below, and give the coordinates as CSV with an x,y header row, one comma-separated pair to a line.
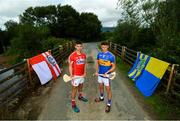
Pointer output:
x,y
18,79
171,79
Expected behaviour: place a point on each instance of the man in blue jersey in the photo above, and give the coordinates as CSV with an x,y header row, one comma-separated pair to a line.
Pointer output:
x,y
105,65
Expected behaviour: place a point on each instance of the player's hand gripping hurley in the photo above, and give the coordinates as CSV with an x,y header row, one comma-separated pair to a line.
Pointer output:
x,y
67,78
111,76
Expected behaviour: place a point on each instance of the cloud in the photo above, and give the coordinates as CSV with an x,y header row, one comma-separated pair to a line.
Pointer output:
x,y
11,9
104,9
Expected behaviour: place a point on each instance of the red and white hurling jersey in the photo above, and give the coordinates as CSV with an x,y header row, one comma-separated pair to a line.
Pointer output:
x,y
78,65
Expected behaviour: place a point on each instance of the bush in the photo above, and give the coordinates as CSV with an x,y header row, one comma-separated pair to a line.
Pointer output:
x,y
53,42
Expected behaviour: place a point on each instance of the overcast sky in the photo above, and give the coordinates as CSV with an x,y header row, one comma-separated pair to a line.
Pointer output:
x,y
104,9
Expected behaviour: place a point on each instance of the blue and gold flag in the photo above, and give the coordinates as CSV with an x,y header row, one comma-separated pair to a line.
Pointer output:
x,y
139,65
148,81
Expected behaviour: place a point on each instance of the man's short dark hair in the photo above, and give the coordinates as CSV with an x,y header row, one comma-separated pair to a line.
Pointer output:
x,y
78,42
104,43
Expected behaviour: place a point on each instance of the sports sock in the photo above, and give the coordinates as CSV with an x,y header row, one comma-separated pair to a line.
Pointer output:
x,y
101,95
109,102
73,102
80,94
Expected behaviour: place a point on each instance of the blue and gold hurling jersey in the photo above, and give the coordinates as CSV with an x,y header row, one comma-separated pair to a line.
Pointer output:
x,y
105,60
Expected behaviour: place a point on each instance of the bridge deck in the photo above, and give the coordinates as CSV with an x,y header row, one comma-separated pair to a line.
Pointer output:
x,y
124,105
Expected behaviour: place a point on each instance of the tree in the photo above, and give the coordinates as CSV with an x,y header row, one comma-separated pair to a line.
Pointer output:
x,y
9,32
168,30
67,22
90,27
63,21
39,16
151,24
28,41
2,39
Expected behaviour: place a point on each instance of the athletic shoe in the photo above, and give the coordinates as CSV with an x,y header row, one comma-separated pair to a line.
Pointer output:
x,y
75,109
99,99
108,108
83,99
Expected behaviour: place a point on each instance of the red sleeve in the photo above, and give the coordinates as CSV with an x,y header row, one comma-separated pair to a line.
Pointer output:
x,y
71,58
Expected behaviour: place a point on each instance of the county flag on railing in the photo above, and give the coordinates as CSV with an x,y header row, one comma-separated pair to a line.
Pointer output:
x,y
40,66
54,67
148,81
45,67
139,65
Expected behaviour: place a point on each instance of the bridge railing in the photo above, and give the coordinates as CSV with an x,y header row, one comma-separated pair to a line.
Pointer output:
x,y
171,79
19,79
13,81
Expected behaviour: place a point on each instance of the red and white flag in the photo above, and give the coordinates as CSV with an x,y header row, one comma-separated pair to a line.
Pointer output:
x,y
45,67
41,68
54,67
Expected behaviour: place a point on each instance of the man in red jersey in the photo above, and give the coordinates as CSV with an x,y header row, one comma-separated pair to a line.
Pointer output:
x,y
77,68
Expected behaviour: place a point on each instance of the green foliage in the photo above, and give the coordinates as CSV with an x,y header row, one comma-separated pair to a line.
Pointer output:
x,y
40,29
39,16
2,40
123,33
28,41
121,66
67,21
9,33
90,26
168,30
151,27
64,22
53,42
106,36
164,106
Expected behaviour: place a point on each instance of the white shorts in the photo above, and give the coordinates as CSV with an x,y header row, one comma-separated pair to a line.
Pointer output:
x,y
103,80
77,81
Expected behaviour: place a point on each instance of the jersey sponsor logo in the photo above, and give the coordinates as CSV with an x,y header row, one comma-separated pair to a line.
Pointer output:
x,y
104,62
80,61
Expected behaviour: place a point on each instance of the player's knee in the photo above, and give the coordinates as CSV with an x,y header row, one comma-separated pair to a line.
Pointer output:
x,y
101,85
108,88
